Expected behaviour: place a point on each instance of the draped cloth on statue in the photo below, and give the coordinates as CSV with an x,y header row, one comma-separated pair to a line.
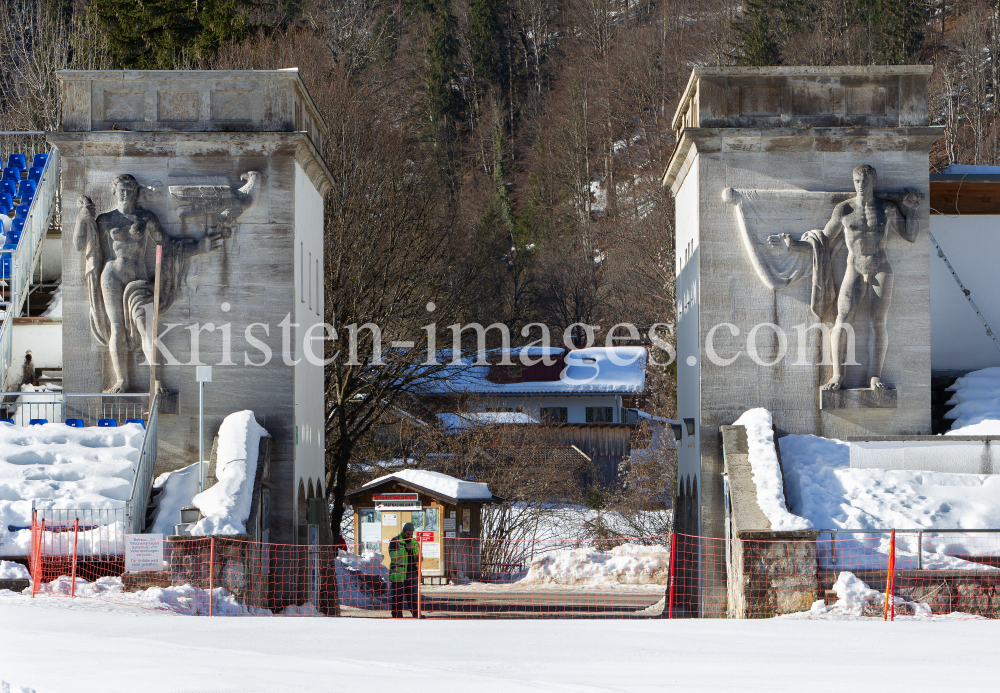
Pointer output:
x,y
138,293
779,269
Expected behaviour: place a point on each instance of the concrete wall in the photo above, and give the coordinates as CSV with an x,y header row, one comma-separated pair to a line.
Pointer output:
x,y
687,252
958,338
955,454
310,446
42,339
576,405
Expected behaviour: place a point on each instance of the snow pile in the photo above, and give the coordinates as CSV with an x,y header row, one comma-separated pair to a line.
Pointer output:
x,y
61,467
628,564
442,484
4,686
179,488
362,581
767,471
13,571
225,507
976,403
855,599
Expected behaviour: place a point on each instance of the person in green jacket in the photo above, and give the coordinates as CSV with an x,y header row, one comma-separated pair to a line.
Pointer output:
x,y
404,566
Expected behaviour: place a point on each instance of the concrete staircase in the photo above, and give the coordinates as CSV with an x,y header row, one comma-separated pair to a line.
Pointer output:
x,y
940,381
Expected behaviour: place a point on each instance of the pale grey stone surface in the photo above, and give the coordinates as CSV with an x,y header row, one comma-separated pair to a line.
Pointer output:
x,y
799,130
252,278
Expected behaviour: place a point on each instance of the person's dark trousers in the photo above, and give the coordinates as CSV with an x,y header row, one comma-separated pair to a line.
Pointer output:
x,y
404,592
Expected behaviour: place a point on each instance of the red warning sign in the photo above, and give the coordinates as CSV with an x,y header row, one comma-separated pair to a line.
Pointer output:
x,y
425,536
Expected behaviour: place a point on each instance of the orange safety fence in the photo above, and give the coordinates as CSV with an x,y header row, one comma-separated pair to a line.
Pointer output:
x,y
884,575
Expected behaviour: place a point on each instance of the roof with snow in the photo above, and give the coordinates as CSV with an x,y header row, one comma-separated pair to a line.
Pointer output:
x,y
594,370
434,484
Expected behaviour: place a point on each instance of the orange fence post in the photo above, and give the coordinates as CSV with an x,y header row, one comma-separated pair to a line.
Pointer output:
x,y
673,563
892,574
420,579
211,572
76,536
34,553
889,587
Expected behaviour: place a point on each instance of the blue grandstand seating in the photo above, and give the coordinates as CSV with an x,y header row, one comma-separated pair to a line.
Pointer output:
x,y
27,187
21,212
38,422
40,160
107,423
7,200
75,423
7,421
26,200
138,421
5,266
17,161
12,174
8,187
16,227
35,173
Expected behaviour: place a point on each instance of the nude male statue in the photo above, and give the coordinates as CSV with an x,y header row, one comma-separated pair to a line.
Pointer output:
x,y
119,287
864,220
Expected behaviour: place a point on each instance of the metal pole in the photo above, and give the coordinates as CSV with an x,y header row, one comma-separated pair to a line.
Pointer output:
x,y
76,536
920,550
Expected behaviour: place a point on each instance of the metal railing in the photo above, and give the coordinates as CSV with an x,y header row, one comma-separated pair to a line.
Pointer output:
x,y
142,484
29,245
57,407
920,532
101,530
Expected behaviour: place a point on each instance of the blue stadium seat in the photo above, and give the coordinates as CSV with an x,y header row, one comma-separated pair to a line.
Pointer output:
x,y
138,421
12,174
35,173
16,227
27,187
17,161
26,200
8,187
7,421
21,212
40,160
107,423
75,423
6,199
5,265
38,422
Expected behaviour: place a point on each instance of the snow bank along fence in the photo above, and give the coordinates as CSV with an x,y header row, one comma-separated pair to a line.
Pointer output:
x,y
92,409
869,573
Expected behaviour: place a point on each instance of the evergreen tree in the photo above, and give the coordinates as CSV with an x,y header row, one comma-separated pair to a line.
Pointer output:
x,y
755,40
151,34
902,23
444,100
487,40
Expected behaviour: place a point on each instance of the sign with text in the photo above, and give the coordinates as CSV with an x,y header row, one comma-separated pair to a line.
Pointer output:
x,y
397,501
143,552
425,536
432,550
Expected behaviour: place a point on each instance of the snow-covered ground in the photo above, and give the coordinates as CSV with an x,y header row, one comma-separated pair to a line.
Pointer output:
x,y
57,645
61,467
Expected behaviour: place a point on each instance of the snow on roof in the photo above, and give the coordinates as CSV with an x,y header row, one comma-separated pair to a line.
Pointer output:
x,y
976,403
60,467
966,169
435,482
458,422
225,507
618,370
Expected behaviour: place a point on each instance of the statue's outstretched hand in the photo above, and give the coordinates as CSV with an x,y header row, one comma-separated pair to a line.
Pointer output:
x,y
912,198
780,239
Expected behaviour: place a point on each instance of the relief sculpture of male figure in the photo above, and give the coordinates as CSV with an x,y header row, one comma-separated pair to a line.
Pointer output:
x,y
118,283
865,221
